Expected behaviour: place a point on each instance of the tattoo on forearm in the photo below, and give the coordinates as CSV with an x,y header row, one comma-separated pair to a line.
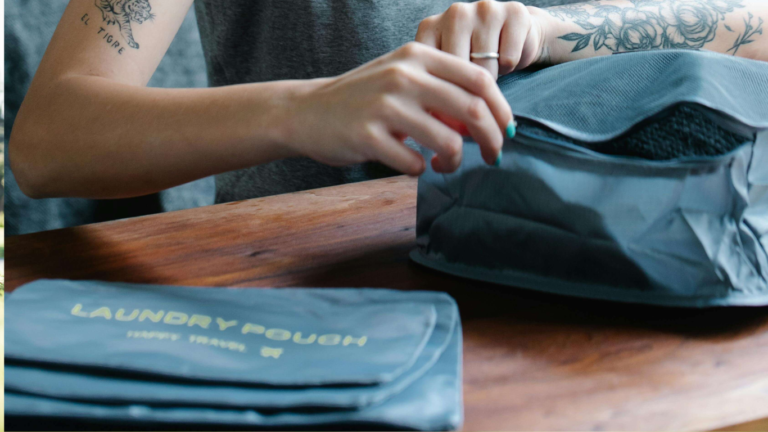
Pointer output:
x,y
122,13
653,24
750,32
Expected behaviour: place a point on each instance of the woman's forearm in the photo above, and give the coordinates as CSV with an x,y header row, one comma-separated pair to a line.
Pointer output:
x,y
734,27
92,137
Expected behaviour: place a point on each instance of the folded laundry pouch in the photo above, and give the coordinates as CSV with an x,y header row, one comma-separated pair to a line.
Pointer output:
x,y
213,335
398,355
433,402
639,177
78,385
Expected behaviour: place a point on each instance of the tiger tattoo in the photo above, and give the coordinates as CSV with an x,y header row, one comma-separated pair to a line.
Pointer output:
x,y
123,12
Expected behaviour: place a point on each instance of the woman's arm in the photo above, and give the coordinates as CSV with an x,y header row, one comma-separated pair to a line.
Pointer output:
x,y
528,35
734,27
89,126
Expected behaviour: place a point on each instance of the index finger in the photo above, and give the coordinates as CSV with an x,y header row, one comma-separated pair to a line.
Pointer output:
x,y
472,78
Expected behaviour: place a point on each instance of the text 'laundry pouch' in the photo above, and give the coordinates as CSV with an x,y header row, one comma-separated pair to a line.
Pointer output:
x,y
240,357
637,177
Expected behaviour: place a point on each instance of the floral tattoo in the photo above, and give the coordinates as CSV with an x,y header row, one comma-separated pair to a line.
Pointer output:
x,y
653,24
749,34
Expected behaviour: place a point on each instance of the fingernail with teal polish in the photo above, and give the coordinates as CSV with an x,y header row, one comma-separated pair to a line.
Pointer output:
x,y
498,160
511,129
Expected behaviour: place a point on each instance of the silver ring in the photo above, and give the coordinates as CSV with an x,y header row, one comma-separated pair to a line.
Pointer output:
x,y
484,55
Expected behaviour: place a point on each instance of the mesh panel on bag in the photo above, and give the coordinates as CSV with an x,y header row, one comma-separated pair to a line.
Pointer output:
x,y
682,131
600,100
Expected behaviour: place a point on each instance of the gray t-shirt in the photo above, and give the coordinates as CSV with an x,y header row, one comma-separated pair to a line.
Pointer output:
x,y
266,40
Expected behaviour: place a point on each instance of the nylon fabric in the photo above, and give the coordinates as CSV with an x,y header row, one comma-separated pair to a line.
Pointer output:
x,y
83,316
74,385
635,177
397,357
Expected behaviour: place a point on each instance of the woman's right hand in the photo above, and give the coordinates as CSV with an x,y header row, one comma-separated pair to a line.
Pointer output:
x,y
417,91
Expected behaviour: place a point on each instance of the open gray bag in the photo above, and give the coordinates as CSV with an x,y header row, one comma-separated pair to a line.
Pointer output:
x,y
639,177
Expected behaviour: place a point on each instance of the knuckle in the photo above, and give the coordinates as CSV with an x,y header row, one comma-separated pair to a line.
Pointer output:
x,y
427,24
482,80
411,49
458,12
517,8
508,62
424,28
475,109
486,9
453,146
397,77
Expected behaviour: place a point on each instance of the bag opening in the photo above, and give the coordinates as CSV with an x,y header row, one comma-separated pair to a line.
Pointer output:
x,y
681,131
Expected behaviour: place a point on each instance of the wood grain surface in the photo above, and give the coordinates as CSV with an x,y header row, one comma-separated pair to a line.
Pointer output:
x,y
532,361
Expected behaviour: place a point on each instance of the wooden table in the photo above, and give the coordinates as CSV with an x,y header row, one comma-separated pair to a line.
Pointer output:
x,y
531,361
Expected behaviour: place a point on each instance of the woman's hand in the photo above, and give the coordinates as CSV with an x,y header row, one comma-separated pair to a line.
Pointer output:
x,y
507,28
416,91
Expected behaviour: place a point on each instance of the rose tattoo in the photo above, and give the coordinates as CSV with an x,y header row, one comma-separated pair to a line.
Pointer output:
x,y
653,24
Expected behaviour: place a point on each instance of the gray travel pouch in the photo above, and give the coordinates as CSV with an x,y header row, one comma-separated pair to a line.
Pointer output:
x,y
637,177
69,356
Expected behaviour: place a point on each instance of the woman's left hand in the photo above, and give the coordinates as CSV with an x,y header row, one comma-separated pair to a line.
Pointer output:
x,y
507,28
